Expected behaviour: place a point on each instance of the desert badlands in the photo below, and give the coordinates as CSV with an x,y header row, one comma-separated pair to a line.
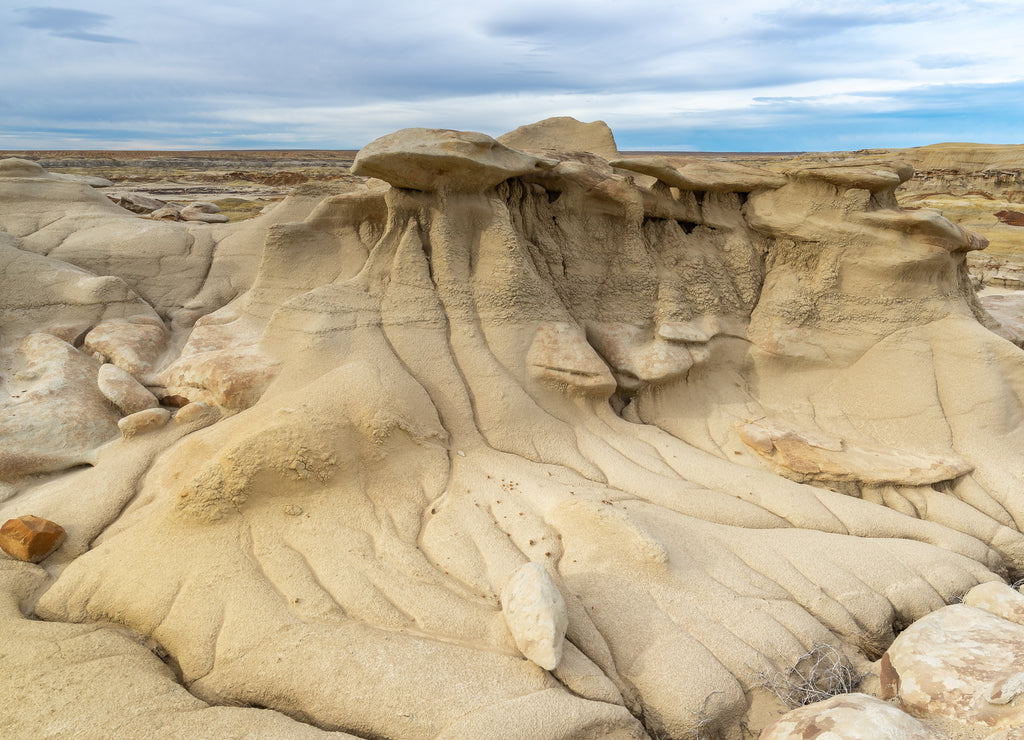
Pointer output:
x,y
518,438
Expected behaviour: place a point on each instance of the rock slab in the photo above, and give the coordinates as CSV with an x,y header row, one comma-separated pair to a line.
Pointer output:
x,y
124,391
536,615
30,538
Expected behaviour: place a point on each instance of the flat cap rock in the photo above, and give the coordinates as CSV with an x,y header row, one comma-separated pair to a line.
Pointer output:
x,y
564,134
873,176
430,159
703,174
30,538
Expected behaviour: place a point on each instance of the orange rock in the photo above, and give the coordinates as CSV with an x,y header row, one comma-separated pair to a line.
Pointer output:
x,y
30,538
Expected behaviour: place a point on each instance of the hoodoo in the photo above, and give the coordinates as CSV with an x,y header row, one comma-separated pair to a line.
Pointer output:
x,y
524,434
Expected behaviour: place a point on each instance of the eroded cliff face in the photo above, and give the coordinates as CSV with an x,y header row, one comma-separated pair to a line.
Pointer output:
x,y
726,414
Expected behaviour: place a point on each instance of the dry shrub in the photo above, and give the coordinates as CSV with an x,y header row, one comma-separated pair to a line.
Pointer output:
x,y
822,672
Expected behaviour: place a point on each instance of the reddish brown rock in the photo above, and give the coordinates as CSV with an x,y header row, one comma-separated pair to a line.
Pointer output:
x,y
30,538
1011,218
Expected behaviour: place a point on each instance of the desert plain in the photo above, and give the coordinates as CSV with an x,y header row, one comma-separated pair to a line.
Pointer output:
x,y
524,437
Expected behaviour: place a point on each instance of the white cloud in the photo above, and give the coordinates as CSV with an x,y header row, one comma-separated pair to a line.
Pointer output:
x,y
325,73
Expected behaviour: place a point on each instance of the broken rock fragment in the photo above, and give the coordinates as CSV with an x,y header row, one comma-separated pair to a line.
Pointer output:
x,y
30,538
142,422
124,391
133,344
536,615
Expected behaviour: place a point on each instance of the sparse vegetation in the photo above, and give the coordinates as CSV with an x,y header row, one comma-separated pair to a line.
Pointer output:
x,y
822,672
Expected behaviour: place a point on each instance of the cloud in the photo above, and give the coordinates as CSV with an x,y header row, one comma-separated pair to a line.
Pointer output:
x,y
945,61
793,74
68,23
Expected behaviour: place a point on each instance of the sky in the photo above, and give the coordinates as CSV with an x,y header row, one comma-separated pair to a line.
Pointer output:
x,y
725,75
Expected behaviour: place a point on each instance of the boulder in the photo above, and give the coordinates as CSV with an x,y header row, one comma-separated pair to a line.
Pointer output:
x,y
440,159
167,213
201,206
56,415
138,202
961,663
1010,218
124,391
848,717
30,538
702,174
134,344
14,167
232,378
535,614
999,599
867,176
196,413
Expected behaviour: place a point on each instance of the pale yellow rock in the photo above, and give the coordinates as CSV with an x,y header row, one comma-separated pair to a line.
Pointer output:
x,y
55,416
81,661
999,599
535,614
703,174
962,663
143,421
123,390
564,134
1013,733
134,344
849,717
197,412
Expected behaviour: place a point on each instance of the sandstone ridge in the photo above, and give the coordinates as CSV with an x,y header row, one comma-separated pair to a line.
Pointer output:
x,y
546,438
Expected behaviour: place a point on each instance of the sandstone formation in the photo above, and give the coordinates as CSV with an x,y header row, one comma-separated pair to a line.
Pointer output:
x,y
555,441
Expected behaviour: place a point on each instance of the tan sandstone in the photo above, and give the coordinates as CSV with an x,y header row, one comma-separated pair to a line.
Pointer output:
x,y
722,413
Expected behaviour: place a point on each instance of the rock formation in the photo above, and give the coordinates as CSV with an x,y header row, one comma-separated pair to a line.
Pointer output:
x,y
717,415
